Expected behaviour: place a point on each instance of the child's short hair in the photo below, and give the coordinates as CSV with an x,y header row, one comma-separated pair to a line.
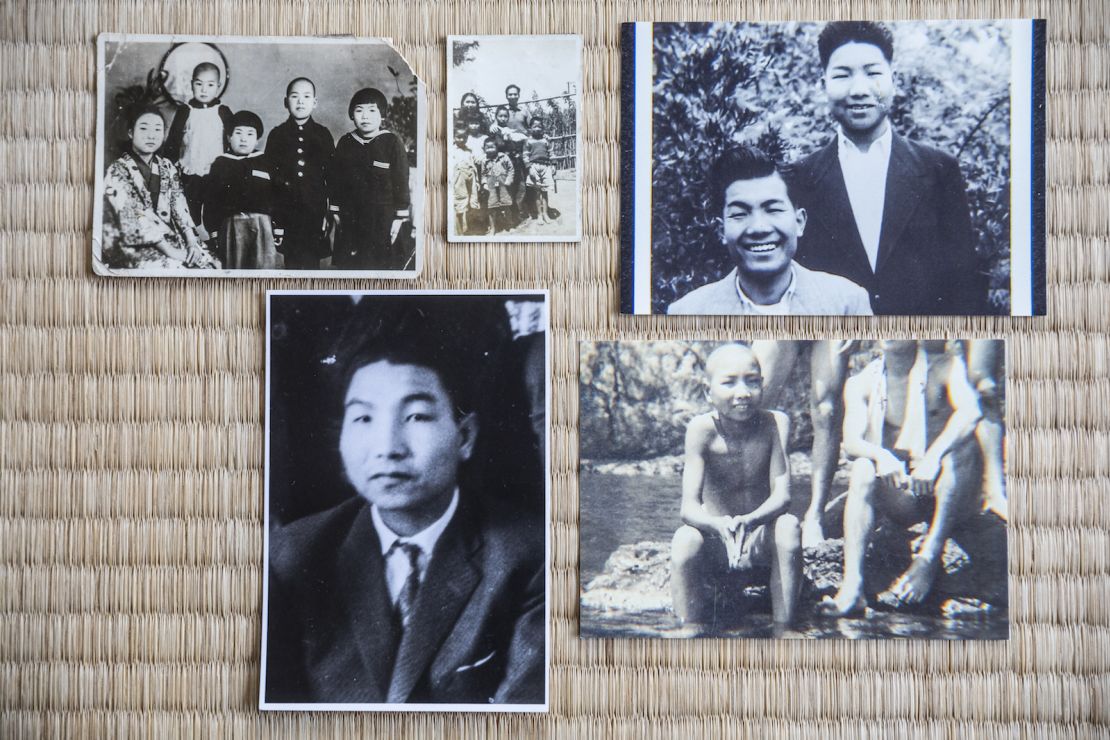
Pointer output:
x,y
838,33
137,112
742,162
295,80
367,96
245,118
206,67
502,108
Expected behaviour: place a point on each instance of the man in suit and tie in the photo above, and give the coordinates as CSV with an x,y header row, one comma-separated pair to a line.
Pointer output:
x,y
885,212
412,591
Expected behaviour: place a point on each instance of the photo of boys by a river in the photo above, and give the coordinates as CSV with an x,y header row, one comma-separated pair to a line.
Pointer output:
x,y
795,489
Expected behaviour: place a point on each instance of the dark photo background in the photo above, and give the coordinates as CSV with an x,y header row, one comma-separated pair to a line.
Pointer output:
x,y
258,75
308,337
718,83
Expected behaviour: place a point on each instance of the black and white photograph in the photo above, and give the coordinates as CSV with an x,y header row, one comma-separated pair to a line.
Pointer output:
x,y
845,489
230,156
514,128
407,502
833,168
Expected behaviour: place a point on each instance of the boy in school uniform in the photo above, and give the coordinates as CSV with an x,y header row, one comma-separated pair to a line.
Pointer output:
x,y
299,150
735,496
239,200
368,185
197,134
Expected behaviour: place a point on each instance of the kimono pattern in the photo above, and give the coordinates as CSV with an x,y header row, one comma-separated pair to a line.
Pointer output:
x,y
134,227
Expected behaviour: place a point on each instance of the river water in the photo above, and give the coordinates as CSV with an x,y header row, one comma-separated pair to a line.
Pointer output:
x,y
627,509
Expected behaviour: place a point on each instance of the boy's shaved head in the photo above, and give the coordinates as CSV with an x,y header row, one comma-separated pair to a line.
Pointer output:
x,y
206,67
730,355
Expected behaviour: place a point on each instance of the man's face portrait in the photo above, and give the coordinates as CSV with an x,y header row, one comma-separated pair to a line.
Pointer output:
x,y
401,442
860,84
512,95
761,226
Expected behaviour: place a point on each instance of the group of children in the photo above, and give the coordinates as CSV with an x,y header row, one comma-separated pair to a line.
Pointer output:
x,y
502,173
204,195
922,429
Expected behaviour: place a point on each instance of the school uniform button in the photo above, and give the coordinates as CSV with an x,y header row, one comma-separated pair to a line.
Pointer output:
x,y
300,162
300,151
300,174
300,138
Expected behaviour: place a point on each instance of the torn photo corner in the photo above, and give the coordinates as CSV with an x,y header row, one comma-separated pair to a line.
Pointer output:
x,y
243,156
514,138
725,509
407,551
833,168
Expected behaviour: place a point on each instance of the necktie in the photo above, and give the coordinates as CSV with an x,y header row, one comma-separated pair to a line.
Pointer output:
x,y
406,600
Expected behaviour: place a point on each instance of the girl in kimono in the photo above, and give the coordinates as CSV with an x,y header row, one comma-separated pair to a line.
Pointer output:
x,y
146,219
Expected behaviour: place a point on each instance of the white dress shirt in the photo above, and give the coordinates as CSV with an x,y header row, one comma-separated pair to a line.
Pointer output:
x,y
781,308
397,565
865,179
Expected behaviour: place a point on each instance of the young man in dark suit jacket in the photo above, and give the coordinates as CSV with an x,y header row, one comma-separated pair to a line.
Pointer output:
x,y
885,212
412,591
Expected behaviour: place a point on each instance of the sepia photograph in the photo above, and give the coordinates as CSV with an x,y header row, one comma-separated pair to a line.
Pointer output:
x,y
407,502
514,128
839,168
229,156
844,489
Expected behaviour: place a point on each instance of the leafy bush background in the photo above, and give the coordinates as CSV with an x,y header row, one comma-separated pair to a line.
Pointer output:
x,y
718,83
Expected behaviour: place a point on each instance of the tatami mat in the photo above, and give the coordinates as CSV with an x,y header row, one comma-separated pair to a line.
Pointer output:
x,y
131,430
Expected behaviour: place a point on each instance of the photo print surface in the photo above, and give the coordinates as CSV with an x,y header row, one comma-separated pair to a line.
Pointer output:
x,y
793,489
514,137
839,168
406,532
221,156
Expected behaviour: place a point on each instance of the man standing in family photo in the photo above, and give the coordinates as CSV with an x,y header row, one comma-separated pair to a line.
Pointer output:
x,y
888,213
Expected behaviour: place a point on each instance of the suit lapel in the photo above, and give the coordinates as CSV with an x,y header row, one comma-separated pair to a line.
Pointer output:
x,y
451,579
841,224
903,193
366,605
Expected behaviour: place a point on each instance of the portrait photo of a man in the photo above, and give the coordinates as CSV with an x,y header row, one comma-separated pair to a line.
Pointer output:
x,y
914,148
407,546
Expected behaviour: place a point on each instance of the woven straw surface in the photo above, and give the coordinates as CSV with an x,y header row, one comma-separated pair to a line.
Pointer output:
x,y
131,424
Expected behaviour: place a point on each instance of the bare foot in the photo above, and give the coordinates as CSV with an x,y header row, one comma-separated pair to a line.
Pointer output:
x,y
842,605
913,586
994,499
812,533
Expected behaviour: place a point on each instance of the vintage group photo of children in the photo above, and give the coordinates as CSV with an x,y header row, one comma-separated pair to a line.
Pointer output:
x,y
217,155
513,122
820,489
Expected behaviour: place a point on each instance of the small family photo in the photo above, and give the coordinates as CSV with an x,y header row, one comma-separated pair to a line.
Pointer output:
x,y
839,168
230,156
793,489
407,502
514,128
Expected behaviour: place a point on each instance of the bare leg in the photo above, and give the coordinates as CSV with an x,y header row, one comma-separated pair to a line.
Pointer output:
x,y
693,601
984,365
956,492
859,522
828,371
544,215
786,569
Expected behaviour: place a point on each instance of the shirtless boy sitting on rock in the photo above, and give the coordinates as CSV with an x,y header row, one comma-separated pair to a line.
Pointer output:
x,y
909,423
735,494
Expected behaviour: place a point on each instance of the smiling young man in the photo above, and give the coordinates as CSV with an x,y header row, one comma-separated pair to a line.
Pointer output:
x,y
888,213
412,591
760,226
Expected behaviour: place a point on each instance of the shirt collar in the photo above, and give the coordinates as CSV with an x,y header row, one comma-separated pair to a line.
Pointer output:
x,y
754,307
358,137
426,538
194,103
881,144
